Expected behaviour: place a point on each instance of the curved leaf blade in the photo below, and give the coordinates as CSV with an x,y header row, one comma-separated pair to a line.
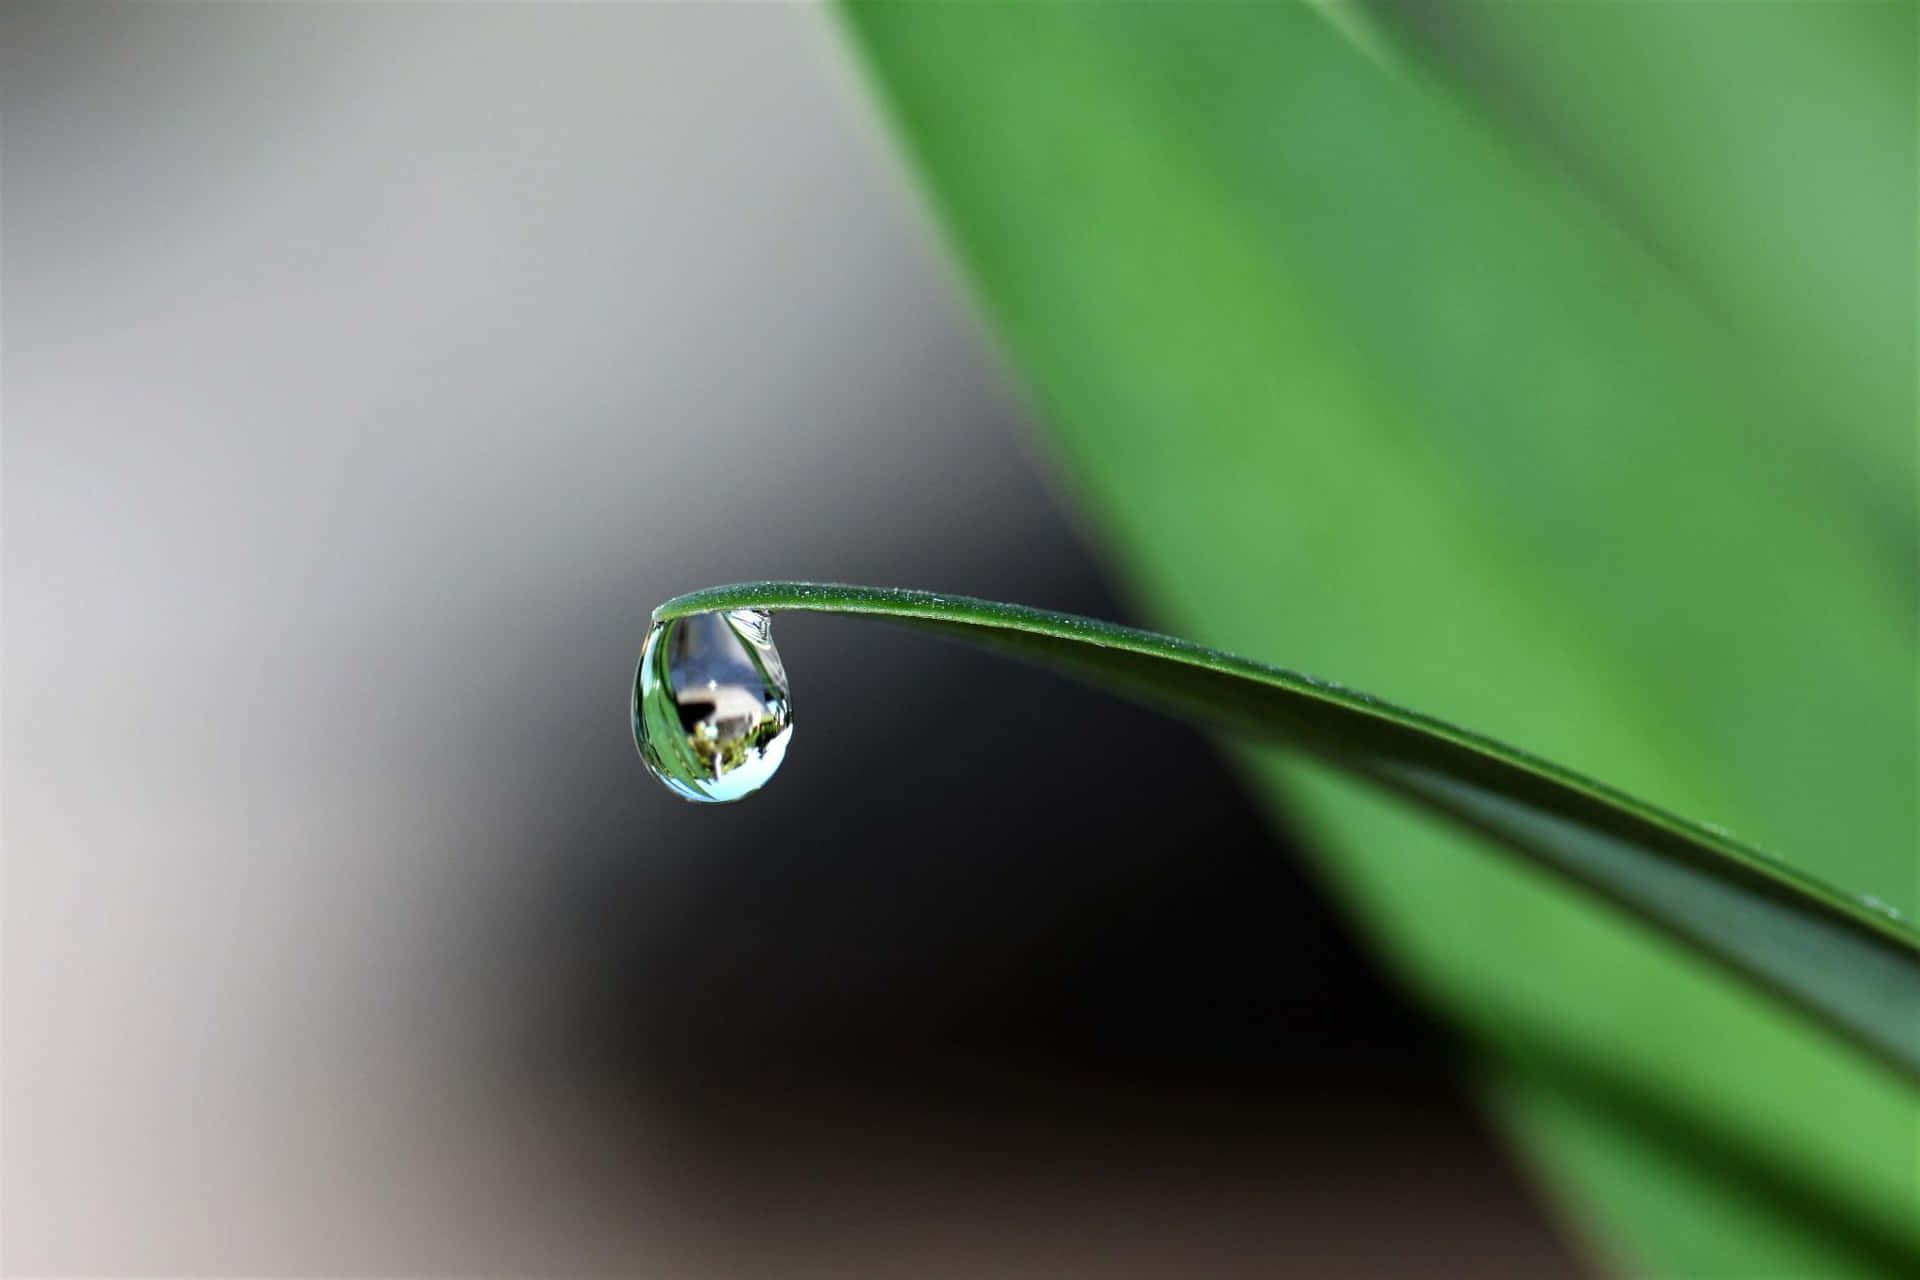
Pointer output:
x,y
1293,320
1847,962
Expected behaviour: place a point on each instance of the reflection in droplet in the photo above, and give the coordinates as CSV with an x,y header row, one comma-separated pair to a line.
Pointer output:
x,y
711,714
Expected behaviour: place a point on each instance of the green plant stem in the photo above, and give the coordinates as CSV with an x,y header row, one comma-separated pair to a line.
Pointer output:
x,y
1845,961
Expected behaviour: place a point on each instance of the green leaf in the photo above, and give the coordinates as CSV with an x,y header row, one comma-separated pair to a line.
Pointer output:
x,y
1767,153
1340,373
1843,960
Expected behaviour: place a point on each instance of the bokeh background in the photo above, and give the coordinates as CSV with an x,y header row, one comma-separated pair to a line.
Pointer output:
x,y
370,371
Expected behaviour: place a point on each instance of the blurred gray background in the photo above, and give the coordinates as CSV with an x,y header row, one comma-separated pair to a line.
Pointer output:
x,y
369,372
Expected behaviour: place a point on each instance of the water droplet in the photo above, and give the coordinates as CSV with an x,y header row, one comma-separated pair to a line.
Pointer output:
x,y
711,713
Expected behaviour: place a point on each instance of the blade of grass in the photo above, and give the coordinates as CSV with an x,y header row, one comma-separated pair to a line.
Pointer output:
x,y
1846,961
1337,372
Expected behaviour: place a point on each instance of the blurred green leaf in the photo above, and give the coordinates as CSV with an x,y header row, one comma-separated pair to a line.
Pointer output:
x,y
1838,959
1342,373
1766,153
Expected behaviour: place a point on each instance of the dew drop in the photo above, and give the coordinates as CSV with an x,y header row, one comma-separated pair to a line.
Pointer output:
x,y
711,713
